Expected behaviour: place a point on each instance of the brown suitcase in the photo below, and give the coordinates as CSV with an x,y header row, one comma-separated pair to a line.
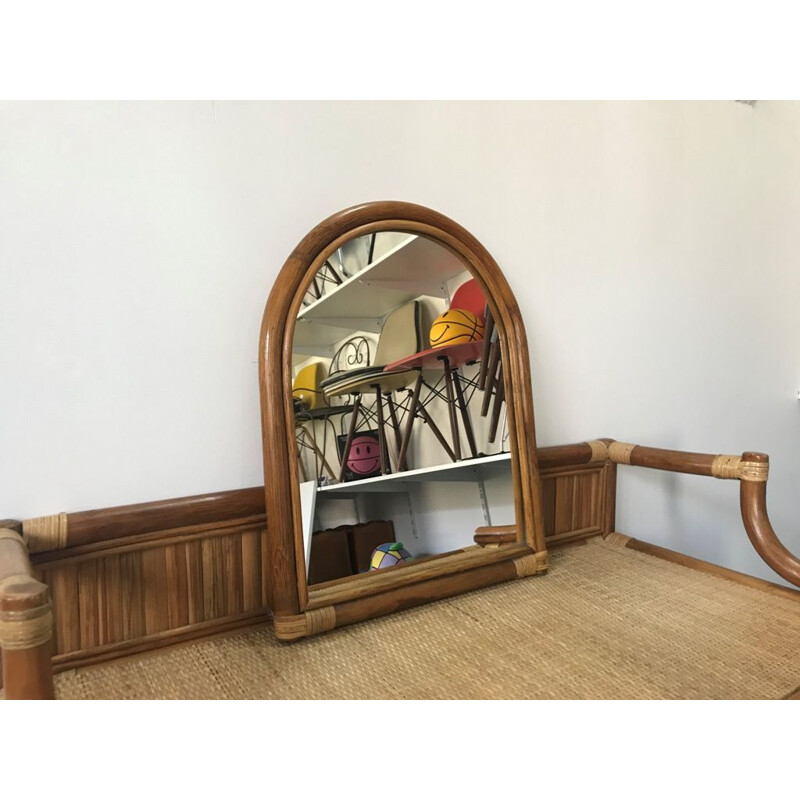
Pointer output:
x,y
364,538
330,555
346,549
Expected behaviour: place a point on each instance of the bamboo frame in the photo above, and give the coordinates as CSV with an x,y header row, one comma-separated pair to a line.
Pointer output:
x,y
290,597
26,624
750,469
140,577
118,567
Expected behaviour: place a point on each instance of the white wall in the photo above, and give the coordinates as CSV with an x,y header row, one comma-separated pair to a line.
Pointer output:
x,y
651,246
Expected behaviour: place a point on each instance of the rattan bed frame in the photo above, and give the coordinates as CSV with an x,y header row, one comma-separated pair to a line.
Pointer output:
x,y
86,587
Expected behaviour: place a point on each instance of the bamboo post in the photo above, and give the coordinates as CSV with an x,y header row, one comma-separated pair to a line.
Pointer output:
x,y
750,469
26,624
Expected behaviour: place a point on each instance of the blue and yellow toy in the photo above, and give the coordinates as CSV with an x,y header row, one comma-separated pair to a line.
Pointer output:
x,y
389,555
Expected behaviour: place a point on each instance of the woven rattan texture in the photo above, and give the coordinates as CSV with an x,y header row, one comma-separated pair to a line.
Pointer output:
x,y
605,622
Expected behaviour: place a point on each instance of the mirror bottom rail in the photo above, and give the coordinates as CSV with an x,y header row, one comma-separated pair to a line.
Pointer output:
x,y
482,568
423,569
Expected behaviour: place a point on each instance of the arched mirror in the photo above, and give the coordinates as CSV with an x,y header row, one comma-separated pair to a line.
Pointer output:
x,y
399,447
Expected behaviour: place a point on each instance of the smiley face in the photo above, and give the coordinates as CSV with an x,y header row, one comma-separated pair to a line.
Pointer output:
x,y
455,326
364,457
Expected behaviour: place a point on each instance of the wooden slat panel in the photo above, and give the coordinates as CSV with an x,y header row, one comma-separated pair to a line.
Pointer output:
x,y
549,505
156,612
177,590
132,572
563,506
579,501
213,579
251,570
591,514
63,583
87,605
101,603
194,582
232,557
220,584
578,482
114,602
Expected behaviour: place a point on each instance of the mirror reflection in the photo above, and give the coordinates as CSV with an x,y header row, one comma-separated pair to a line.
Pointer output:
x,y
399,408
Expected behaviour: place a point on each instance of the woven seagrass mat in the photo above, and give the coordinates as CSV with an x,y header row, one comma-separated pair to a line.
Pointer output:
x,y
604,623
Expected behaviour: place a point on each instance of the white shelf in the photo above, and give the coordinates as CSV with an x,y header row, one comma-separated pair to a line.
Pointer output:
x,y
467,470
316,340
417,266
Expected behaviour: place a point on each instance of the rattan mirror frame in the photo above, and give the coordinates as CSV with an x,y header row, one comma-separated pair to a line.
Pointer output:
x,y
299,612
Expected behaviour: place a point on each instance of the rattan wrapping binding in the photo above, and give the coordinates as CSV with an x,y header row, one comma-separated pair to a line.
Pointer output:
x,y
620,452
530,565
321,619
599,450
45,533
21,630
726,467
753,471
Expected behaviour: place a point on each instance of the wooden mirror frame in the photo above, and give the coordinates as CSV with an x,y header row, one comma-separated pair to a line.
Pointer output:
x,y
299,611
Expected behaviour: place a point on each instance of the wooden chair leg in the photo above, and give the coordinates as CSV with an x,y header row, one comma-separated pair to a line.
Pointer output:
x,y
303,473
465,418
412,415
381,434
451,408
494,357
395,425
349,440
487,341
422,411
499,397
318,453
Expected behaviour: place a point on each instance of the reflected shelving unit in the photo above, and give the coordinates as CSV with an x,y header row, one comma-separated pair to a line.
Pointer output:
x,y
435,500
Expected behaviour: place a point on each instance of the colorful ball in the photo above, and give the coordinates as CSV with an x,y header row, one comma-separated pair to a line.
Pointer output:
x,y
364,456
456,326
389,555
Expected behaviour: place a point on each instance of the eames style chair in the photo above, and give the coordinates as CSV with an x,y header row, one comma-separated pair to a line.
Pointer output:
x,y
464,349
306,391
311,406
401,335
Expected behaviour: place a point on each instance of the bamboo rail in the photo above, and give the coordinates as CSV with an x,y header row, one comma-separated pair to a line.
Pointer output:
x,y
750,469
26,623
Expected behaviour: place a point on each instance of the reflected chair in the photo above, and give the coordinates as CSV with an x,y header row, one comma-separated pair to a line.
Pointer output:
x,y
449,358
310,406
401,335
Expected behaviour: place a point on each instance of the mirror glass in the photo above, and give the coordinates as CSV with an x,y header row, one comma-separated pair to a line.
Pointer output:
x,y
399,408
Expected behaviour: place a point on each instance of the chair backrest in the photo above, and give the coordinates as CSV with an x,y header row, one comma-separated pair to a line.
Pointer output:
x,y
355,353
401,334
470,296
306,389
